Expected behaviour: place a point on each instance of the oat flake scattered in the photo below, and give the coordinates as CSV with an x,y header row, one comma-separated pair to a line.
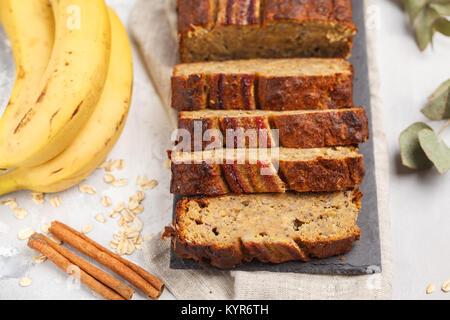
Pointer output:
x,y
11,203
86,228
109,178
20,213
100,218
39,258
106,201
446,286
38,197
120,182
25,282
45,226
55,201
431,287
85,188
25,233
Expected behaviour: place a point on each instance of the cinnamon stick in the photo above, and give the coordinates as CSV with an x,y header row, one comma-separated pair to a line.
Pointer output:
x,y
105,278
105,257
154,281
38,243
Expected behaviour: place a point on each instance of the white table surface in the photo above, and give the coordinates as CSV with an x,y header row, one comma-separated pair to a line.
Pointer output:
x,y
419,201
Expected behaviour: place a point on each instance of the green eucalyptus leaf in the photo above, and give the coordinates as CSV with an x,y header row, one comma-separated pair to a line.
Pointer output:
x,y
442,7
442,25
424,27
442,88
413,7
410,150
439,106
435,149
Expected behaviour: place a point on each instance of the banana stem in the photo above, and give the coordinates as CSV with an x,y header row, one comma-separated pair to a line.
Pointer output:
x,y
8,183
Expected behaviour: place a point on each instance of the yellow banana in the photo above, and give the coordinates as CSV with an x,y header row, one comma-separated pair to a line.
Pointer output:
x,y
30,28
54,112
96,139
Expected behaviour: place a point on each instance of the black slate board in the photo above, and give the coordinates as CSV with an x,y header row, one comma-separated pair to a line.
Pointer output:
x,y
365,257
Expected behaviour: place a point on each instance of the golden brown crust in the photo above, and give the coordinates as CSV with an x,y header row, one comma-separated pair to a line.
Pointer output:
x,y
258,91
295,130
305,93
323,174
315,175
238,12
198,13
205,178
245,250
307,10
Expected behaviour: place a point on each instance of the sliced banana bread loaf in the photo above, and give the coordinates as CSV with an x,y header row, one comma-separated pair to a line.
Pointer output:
x,y
245,29
223,171
268,84
207,129
229,230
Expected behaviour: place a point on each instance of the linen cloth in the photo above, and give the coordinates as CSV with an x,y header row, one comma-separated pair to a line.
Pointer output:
x,y
153,26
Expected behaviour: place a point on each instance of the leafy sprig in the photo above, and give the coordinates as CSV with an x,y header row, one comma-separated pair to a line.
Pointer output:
x,y
428,17
420,146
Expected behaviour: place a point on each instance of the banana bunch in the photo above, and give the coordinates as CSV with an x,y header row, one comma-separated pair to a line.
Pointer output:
x,y
72,93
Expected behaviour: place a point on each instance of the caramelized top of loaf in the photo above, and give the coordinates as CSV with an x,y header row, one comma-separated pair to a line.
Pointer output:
x,y
207,113
282,154
268,67
272,217
221,13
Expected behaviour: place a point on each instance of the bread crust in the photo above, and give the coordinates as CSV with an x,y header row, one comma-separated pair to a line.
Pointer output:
x,y
245,250
314,175
337,11
258,91
295,130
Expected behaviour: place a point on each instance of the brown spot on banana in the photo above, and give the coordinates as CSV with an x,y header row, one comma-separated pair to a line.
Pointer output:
x,y
120,122
53,115
76,110
42,95
21,73
56,171
25,119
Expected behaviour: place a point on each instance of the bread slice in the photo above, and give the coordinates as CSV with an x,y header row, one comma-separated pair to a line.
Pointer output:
x,y
207,129
268,84
223,171
235,29
229,230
